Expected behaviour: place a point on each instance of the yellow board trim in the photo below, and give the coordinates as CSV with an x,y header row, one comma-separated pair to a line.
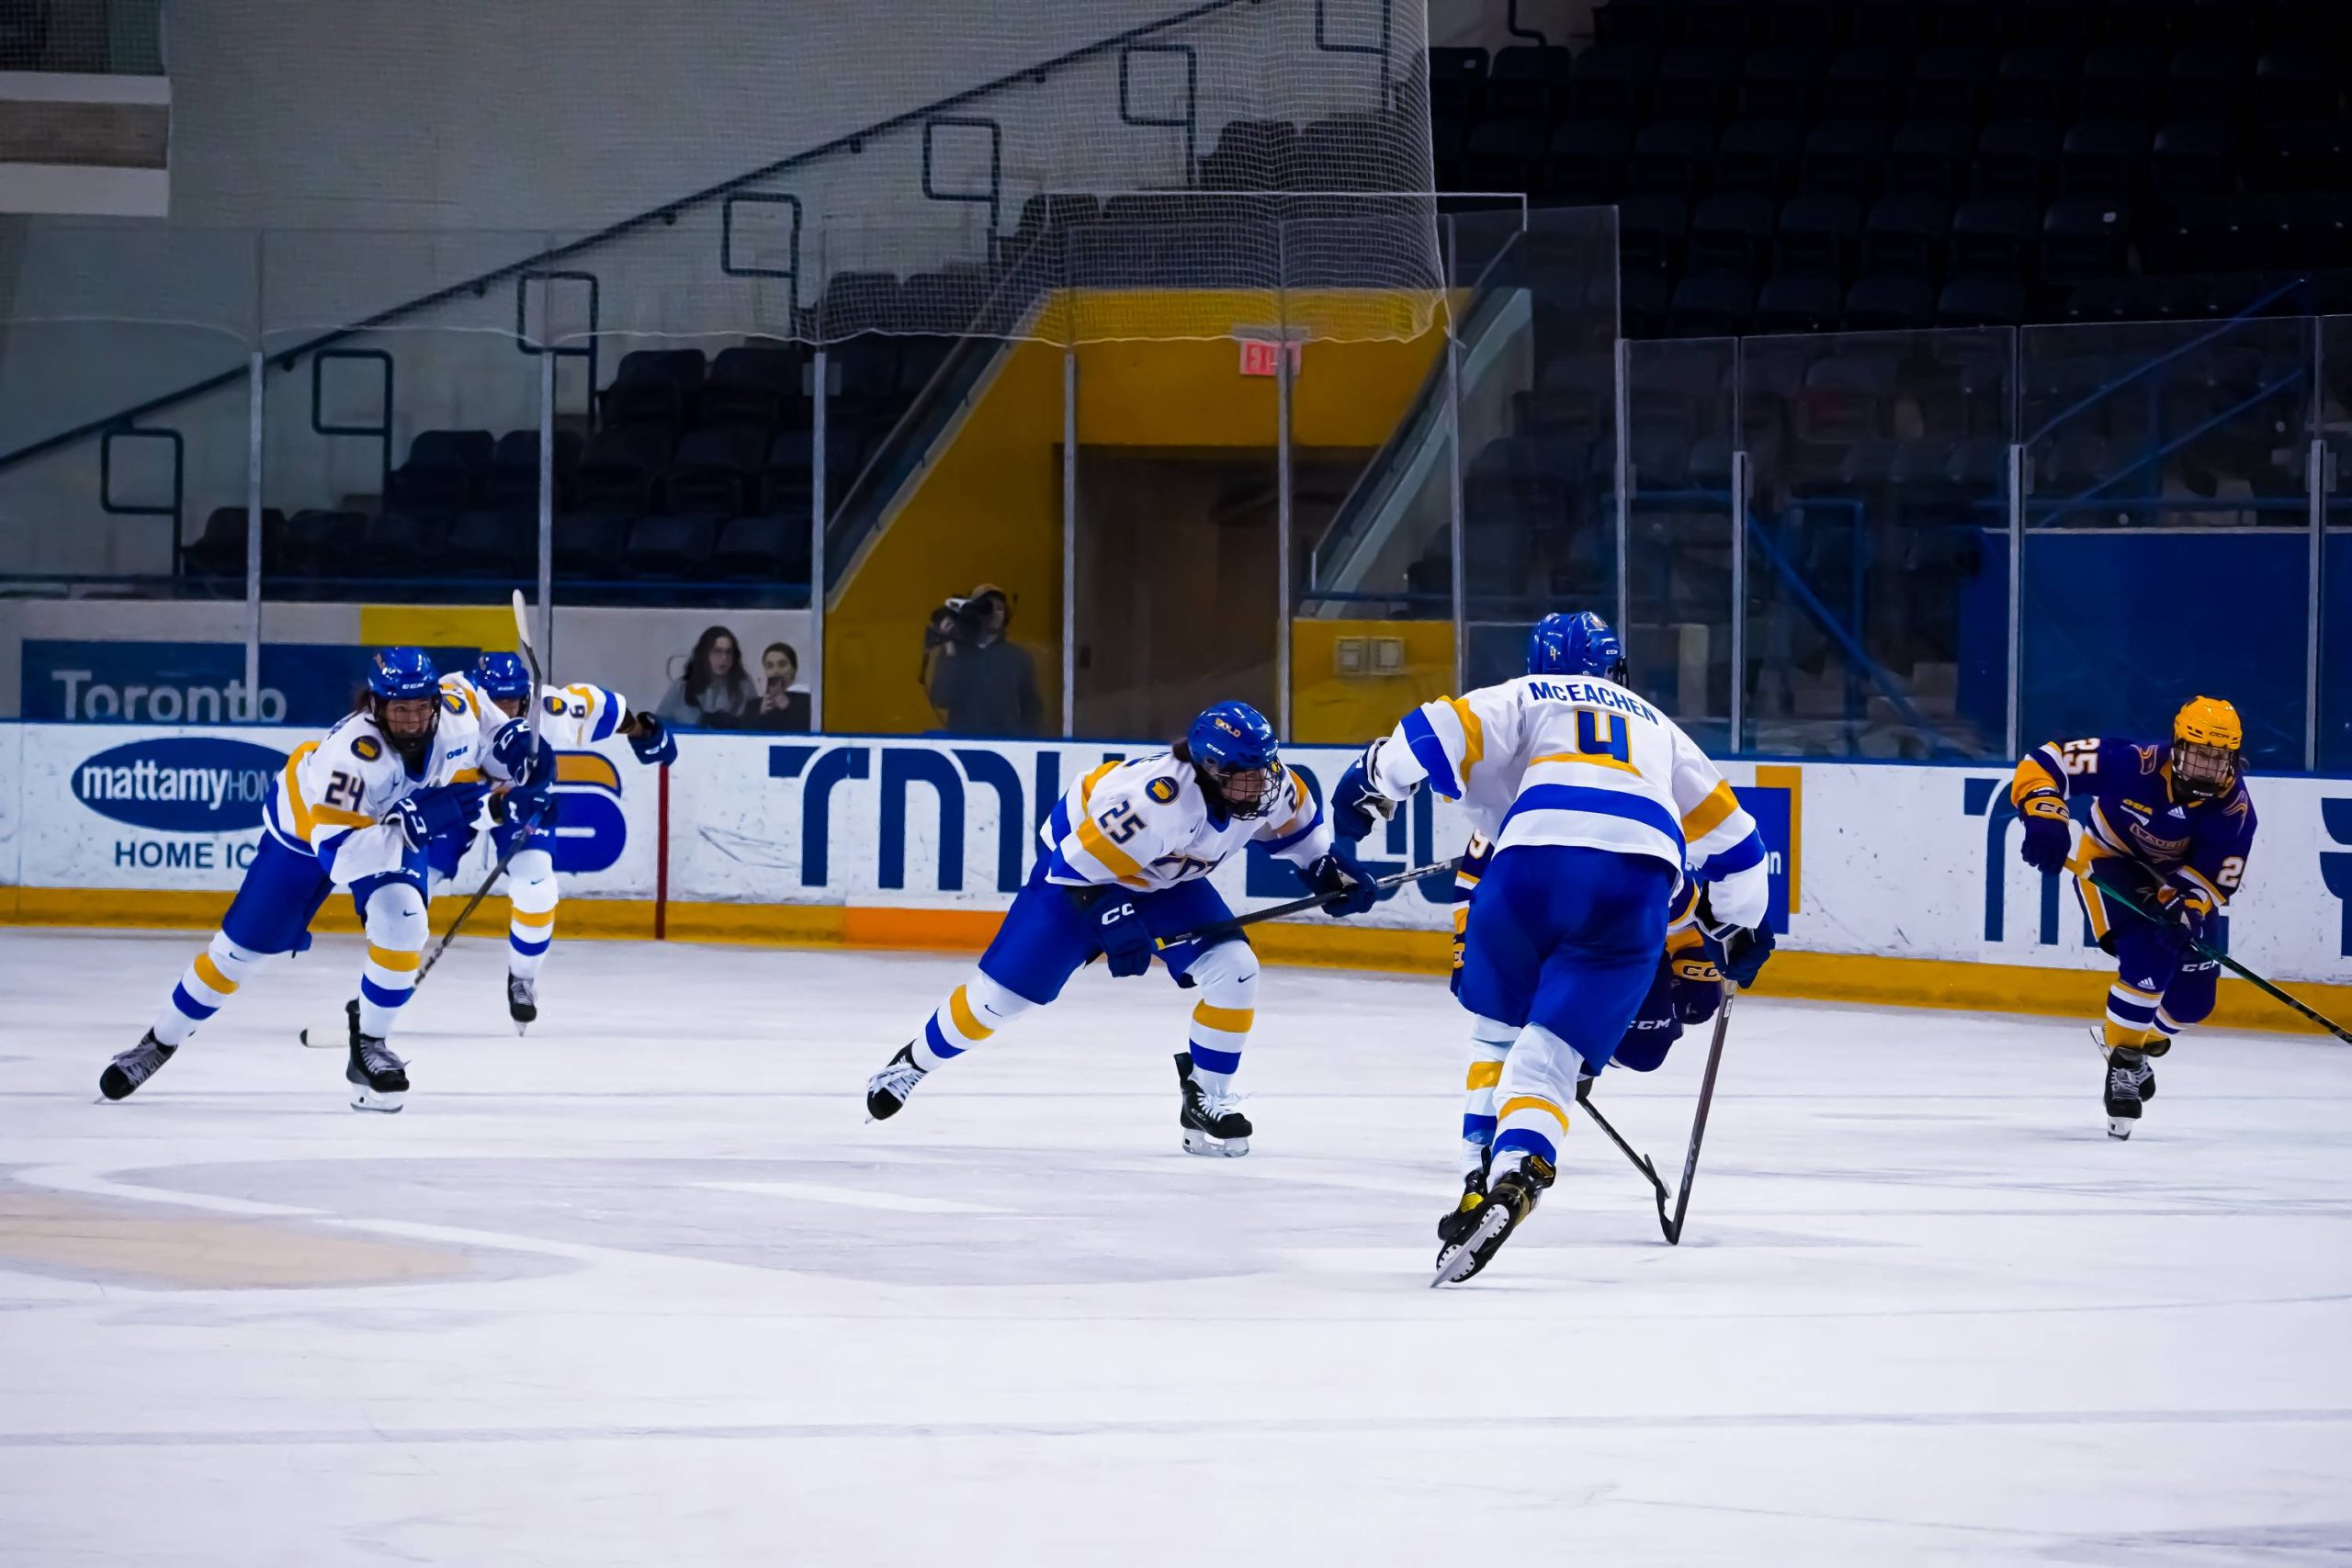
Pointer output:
x,y
1818,976
210,973
1709,814
968,1022
1533,1102
438,625
392,958
1231,1021
1483,1075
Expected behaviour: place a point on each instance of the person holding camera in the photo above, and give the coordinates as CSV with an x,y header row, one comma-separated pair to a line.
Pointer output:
x,y
980,684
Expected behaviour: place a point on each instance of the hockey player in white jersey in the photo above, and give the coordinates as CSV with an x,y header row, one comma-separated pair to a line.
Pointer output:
x,y
1127,851
359,808
571,718
1608,802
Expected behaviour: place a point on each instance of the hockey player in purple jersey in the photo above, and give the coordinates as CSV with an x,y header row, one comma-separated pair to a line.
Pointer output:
x,y
2169,827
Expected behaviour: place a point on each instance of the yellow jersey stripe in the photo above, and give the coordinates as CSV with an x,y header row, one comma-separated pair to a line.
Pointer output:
x,y
1483,1075
1599,761
968,1022
1232,1021
293,789
393,958
530,921
1095,842
1709,814
336,816
1086,786
1474,738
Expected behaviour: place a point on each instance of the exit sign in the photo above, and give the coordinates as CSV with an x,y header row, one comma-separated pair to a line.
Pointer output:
x,y
1262,356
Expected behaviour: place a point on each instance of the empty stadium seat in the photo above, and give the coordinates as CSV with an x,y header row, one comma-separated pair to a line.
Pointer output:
x,y
717,470
675,547
621,468
1529,80
770,548
751,386
1758,158
444,469
512,480
654,386
1801,302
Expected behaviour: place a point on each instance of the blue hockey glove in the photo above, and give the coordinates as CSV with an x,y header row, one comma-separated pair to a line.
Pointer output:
x,y
1125,939
533,805
526,758
441,812
2049,838
1355,804
1338,873
1737,952
651,741
1697,986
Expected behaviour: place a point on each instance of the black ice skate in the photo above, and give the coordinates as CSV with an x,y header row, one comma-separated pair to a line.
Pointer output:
x,y
1508,1202
378,1080
1456,1223
1212,1125
2127,1072
887,1090
135,1066
2148,1054
522,1002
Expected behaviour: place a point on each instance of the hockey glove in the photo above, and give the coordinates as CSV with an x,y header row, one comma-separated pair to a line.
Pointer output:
x,y
525,758
441,812
651,741
1355,802
1125,939
1697,988
1739,953
2049,835
1338,878
531,806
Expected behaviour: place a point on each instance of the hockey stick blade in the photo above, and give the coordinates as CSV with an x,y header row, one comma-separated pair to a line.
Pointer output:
x,y
1298,906
2226,962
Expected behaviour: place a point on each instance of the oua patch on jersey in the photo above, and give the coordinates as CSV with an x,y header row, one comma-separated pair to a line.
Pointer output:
x,y
1161,790
367,749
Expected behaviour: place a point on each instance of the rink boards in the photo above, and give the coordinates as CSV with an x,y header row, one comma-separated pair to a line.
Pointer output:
x,y
1890,882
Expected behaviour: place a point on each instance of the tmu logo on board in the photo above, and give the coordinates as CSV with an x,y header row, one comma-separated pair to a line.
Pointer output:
x,y
180,784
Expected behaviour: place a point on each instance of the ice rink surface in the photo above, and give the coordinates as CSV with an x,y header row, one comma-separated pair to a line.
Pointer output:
x,y
646,1288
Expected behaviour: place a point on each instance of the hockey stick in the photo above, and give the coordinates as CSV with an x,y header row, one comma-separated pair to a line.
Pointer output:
x,y
332,1041
1641,1162
1296,906
2226,962
1698,1125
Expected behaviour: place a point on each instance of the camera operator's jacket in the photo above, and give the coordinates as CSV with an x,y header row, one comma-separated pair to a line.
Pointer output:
x,y
1145,824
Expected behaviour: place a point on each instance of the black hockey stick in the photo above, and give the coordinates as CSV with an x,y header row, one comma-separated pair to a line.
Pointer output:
x,y
1297,906
1641,1162
1698,1125
329,1041
2228,963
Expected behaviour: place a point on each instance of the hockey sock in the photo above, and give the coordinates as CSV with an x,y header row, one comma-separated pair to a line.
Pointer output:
x,y
1538,1081
396,932
1489,1043
1226,975
211,980
2131,1015
531,892
973,1012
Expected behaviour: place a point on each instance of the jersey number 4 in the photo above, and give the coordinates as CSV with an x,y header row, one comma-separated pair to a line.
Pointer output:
x,y
1602,734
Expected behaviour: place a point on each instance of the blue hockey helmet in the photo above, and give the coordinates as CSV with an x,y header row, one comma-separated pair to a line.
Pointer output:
x,y
404,675
1232,748
504,677
1575,643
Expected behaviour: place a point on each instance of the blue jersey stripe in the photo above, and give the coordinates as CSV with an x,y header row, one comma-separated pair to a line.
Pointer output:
x,y
1748,851
1430,753
605,721
1276,846
383,996
1599,802
189,1007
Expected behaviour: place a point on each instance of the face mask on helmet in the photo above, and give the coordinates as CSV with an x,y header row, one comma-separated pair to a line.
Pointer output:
x,y
2206,737
1231,746
408,725
1242,792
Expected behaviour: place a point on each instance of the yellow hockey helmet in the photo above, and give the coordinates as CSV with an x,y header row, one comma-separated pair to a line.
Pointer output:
x,y
2206,740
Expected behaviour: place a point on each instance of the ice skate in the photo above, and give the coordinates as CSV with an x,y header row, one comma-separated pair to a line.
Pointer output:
x,y
522,1002
1508,1202
2147,1066
1212,1124
1456,1223
2126,1069
135,1066
887,1090
378,1080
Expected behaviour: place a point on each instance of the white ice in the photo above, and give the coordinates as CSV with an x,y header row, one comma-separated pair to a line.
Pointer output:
x,y
658,1294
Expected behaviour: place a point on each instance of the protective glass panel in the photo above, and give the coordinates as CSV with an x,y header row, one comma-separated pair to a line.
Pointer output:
x,y
2165,491
2334,629
1877,584
1538,420
1681,435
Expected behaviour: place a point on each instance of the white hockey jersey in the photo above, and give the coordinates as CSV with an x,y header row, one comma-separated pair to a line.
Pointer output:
x,y
1145,824
1576,760
570,717
331,796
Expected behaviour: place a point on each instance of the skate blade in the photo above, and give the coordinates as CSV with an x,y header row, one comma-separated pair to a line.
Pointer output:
x,y
2121,1126
377,1099
1199,1143
1462,1261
